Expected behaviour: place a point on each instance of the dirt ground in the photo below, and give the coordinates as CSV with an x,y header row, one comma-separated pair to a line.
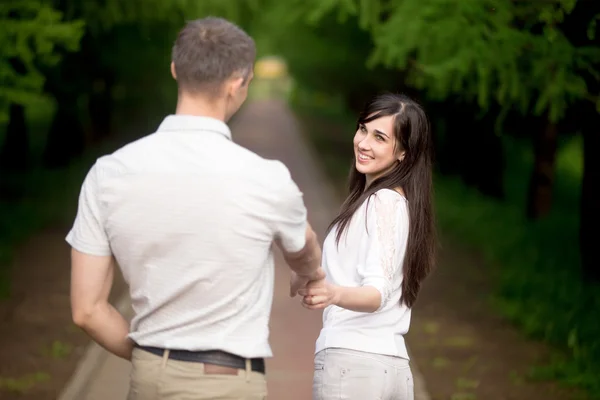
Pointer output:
x,y
39,345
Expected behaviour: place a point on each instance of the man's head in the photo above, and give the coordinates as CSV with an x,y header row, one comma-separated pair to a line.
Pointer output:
x,y
213,59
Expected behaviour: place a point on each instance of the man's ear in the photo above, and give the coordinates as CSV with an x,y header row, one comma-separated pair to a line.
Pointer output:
x,y
173,72
234,85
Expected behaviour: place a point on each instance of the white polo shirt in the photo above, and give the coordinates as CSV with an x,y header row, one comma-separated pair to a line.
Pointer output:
x,y
190,218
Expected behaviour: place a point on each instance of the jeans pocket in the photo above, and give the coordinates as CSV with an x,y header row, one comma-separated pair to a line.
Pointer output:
x,y
362,383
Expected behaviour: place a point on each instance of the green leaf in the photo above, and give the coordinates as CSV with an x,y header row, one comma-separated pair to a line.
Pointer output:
x,y
33,32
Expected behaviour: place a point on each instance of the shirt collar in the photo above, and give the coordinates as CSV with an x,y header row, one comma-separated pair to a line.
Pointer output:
x,y
194,123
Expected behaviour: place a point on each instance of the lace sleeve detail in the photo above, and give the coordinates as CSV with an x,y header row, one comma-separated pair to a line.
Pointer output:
x,y
383,249
385,211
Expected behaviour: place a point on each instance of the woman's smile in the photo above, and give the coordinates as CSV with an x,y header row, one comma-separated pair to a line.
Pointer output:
x,y
363,158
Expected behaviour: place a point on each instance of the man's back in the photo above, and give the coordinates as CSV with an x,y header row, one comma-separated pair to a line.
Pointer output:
x,y
190,217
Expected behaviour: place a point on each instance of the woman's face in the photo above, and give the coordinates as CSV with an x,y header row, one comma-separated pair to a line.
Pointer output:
x,y
374,148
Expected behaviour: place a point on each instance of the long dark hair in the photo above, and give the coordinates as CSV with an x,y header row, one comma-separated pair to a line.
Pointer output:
x,y
413,175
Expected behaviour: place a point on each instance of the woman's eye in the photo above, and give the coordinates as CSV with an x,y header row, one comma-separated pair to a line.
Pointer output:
x,y
363,129
379,137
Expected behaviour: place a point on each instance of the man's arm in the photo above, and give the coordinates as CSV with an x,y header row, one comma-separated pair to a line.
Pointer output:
x,y
91,281
293,234
307,261
305,264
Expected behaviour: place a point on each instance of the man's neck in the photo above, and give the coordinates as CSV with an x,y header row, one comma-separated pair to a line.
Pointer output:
x,y
199,106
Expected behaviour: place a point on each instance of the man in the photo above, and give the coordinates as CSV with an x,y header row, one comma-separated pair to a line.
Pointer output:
x,y
190,218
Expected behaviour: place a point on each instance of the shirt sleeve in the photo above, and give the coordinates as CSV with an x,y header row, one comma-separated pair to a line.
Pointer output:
x,y
88,234
387,233
290,216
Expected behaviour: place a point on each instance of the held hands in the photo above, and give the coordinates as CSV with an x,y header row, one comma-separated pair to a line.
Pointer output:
x,y
298,282
319,295
316,292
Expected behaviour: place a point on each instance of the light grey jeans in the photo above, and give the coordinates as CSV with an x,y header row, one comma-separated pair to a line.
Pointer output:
x,y
356,375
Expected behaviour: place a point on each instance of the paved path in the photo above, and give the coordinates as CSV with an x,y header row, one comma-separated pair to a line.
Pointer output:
x,y
270,129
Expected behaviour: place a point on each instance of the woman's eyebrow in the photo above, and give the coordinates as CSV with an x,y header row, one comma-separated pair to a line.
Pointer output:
x,y
382,133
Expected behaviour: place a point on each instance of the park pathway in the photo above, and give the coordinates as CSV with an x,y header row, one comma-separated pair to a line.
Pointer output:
x,y
268,128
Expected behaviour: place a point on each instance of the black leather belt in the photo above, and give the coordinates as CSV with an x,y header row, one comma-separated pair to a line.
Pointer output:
x,y
215,357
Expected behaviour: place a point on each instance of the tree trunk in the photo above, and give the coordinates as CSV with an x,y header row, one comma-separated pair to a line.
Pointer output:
x,y
590,199
100,107
66,138
482,169
484,166
14,155
539,200
101,78
66,82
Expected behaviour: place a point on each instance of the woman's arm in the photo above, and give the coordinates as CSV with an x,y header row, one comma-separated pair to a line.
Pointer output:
x,y
361,299
319,295
385,240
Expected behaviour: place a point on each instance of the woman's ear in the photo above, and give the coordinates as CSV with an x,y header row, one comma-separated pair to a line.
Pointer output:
x,y
401,155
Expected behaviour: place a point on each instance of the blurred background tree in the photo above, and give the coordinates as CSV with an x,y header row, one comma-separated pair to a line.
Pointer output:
x,y
83,82
32,36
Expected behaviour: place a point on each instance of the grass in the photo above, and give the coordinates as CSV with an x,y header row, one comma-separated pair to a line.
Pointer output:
x,y
535,265
24,383
57,350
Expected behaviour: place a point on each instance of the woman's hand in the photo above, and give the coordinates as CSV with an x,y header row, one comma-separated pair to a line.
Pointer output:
x,y
318,295
298,282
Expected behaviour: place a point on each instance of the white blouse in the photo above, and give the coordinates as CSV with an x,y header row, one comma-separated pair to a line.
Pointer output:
x,y
370,253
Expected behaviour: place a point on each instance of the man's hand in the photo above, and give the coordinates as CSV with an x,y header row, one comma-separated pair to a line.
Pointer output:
x,y
300,281
319,295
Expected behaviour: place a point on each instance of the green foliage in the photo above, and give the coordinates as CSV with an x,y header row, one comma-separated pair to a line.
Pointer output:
x,y
103,15
499,51
31,31
327,55
57,350
316,55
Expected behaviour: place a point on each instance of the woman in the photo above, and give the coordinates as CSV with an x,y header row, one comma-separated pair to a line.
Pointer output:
x,y
376,254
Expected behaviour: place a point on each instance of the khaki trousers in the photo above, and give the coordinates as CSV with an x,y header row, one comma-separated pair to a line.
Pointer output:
x,y
159,378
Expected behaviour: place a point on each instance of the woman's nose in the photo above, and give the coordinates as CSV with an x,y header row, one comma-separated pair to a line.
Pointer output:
x,y
364,144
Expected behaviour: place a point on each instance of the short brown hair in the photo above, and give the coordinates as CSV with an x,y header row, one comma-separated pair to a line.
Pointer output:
x,y
209,51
